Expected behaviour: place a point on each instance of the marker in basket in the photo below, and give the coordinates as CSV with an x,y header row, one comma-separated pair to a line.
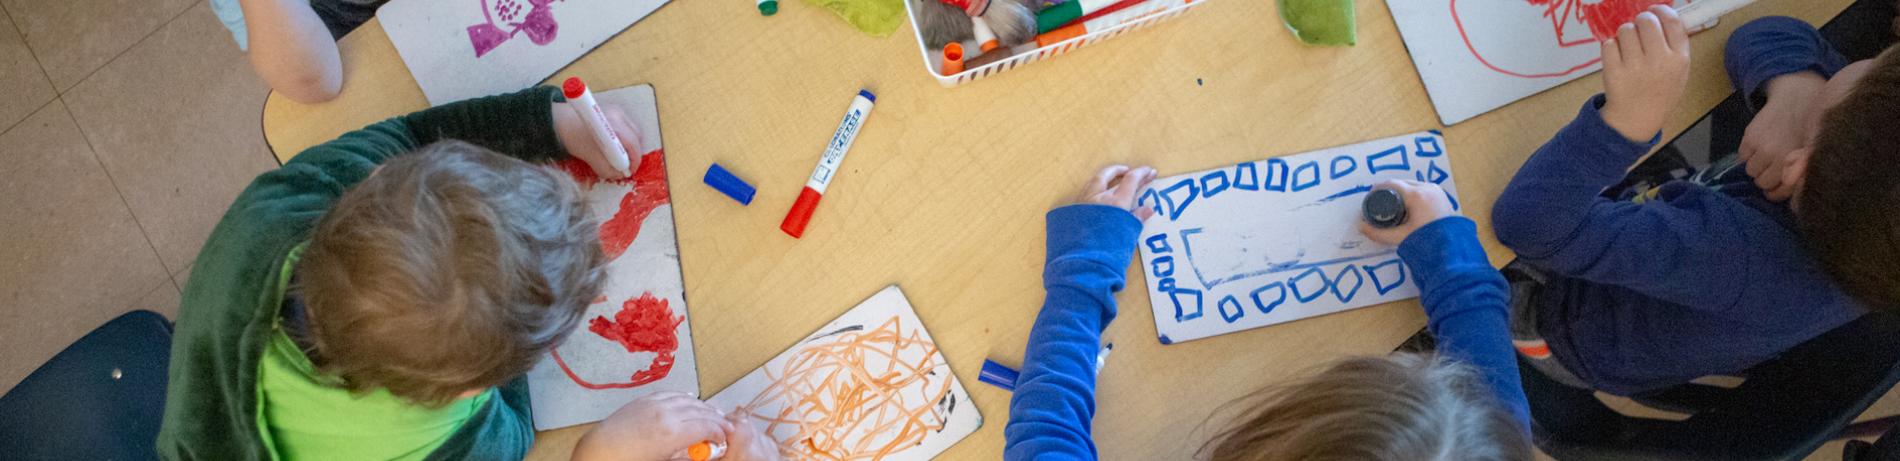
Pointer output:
x,y
1127,12
1066,12
827,168
768,7
583,103
985,37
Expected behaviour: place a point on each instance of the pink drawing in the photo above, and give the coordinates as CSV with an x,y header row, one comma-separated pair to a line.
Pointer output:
x,y
537,22
1541,38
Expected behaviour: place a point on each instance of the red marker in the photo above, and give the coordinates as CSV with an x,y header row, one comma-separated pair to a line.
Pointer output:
x,y
827,169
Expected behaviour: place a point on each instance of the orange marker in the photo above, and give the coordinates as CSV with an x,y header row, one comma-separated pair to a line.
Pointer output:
x,y
985,37
704,451
952,58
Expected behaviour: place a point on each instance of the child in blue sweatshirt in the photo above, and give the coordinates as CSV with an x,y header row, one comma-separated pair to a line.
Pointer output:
x,y
1470,402
1636,291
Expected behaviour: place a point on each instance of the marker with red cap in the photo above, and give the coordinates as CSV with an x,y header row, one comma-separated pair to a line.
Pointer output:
x,y
582,100
827,169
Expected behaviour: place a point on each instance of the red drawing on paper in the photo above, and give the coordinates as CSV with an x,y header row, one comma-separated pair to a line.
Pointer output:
x,y
644,324
1541,38
537,21
856,393
649,192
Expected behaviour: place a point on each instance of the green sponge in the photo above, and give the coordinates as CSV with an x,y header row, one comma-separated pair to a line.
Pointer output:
x,y
1320,22
877,18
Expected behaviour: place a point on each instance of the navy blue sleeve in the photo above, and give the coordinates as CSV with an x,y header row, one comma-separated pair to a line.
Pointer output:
x,y
1089,248
1772,47
1692,248
1467,306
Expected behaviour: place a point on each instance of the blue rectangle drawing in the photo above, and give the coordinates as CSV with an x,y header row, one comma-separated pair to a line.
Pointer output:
x,y
1276,240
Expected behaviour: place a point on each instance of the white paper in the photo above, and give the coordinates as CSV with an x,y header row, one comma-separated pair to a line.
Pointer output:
x,y
1478,55
520,42
870,385
594,374
1273,241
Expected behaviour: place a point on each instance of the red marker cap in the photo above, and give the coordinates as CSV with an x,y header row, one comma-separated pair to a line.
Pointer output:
x,y
573,87
795,221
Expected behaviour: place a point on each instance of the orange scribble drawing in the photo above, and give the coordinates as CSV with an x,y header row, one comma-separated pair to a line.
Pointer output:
x,y
856,393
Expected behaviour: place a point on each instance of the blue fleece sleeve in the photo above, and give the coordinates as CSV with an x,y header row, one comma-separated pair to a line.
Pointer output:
x,y
1467,306
1691,248
1089,248
1772,47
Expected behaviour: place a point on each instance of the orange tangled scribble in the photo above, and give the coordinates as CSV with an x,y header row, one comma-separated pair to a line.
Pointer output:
x,y
856,394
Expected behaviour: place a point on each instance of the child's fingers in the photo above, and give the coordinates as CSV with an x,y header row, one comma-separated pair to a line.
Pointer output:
x,y
1131,183
1104,177
1628,42
1143,213
693,431
1649,30
1674,32
1612,56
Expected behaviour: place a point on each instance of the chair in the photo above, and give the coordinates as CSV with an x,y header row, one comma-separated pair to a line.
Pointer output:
x,y
101,398
1786,408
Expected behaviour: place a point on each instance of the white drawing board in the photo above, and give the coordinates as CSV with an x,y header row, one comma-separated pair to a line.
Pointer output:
x,y
460,49
1478,55
870,385
634,339
1272,241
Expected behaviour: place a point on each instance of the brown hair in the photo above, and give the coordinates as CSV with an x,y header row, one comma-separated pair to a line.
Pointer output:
x,y
1850,203
1406,406
450,269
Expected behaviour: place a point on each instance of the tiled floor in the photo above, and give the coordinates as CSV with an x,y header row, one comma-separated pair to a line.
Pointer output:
x,y
126,127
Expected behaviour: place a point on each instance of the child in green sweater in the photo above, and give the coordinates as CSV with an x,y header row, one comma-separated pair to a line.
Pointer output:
x,y
382,295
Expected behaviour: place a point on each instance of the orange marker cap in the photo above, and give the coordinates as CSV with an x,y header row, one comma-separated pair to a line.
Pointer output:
x,y
952,58
1058,35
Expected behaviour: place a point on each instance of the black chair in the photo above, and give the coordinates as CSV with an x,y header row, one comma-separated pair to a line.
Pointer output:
x,y
1785,409
101,398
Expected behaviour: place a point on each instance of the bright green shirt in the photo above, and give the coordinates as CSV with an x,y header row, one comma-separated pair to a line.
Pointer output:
x,y
306,415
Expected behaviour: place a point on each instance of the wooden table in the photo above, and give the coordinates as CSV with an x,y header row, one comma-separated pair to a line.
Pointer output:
x,y
946,188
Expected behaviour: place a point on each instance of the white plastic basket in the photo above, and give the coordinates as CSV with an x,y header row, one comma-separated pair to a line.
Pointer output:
x,y
932,62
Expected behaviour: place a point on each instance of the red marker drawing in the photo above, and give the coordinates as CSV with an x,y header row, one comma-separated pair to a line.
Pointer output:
x,y
827,169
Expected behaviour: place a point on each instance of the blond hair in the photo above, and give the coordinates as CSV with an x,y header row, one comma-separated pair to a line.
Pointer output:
x,y
1406,406
450,269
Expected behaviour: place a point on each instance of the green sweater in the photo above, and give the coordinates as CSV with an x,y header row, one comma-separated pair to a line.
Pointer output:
x,y
226,319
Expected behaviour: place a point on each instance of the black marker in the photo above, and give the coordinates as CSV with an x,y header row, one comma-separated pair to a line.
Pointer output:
x,y
1384,209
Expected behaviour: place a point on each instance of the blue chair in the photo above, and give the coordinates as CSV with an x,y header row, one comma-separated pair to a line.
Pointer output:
x,y
1785,409
101,398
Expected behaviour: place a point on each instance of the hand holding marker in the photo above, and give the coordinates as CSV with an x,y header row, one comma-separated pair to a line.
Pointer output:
x,y
582,100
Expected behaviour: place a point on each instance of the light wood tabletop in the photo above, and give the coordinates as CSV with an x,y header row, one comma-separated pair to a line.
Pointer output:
x,y
945,190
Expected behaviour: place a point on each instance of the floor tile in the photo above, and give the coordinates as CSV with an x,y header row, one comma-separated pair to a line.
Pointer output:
x,y
74,257
22,85
74,37
163,299
183,153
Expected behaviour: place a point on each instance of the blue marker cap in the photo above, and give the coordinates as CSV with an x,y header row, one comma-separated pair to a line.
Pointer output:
x,y
998,375
726,183
867,95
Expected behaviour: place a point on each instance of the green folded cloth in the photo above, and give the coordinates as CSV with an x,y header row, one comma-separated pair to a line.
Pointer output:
x,y
877,18
1320,22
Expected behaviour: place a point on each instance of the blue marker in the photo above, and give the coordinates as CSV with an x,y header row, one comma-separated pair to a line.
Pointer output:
x,y
726,183
1003,376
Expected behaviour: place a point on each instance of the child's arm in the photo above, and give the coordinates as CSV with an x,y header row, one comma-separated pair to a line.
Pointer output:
x,y
1779,64
292,50
1467,303
1089,247
1551,214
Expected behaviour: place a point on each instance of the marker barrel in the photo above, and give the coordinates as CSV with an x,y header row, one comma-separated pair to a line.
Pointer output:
x,y
582,100
827,168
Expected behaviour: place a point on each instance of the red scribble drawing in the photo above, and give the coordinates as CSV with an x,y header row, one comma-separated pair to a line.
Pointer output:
x,y
856,394
537,22
1560,39
649,192
644,324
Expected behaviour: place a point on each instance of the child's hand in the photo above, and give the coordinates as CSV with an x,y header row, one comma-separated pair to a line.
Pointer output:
x,y
1780,128
1645,70
1116,186
653,428
1424,203
579,141
1787,173
746,443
